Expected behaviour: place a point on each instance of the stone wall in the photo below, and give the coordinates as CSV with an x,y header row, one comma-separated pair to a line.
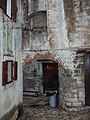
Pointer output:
x,y
72,85
32,74
67,32
78,22
34,6
71,81
37,35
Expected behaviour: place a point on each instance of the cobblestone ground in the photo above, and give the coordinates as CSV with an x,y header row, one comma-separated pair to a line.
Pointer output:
x,y
37,108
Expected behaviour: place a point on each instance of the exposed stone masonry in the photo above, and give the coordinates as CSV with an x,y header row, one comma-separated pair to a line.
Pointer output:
x,y
67,32
72,86
77,18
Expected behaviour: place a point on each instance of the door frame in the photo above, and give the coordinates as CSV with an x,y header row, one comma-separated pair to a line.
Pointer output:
x,y
87,103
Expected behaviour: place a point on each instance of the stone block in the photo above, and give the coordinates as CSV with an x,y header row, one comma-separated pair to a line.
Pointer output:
x,y
76,104
74,91
68,104
73,99
36,88
77,71
81,94
73,109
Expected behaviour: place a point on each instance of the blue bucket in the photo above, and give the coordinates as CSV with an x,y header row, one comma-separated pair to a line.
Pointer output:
x,y
53,98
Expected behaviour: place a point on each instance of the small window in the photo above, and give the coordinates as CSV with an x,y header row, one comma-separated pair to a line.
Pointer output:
x,y
9,7
9,72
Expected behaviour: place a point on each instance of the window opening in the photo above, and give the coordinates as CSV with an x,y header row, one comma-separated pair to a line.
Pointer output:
x,y
8,9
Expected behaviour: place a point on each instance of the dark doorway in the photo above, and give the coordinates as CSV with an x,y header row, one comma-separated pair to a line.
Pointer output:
x,y
87,79
50,76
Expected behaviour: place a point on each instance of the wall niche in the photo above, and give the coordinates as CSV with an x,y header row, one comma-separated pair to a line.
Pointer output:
x,y
38,20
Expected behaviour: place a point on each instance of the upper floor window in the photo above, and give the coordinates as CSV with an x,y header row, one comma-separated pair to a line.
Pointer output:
x,y
9,7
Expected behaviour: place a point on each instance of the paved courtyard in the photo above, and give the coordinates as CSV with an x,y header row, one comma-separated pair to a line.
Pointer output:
x,y
37,108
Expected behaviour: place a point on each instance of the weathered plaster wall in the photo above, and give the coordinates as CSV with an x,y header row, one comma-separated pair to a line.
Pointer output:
x,y
36,36
34,6
78,22
56,25
11,94
56,43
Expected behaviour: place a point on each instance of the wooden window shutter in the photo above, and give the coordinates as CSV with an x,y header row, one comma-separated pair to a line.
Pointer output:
x,y
14,9
15,70
3,5
12,71
4,73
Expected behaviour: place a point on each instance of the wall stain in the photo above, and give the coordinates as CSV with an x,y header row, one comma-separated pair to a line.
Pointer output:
x,y
70,17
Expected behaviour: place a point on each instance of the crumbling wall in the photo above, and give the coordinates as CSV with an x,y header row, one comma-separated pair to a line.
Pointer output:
x,y
77,22
67,32
77,19
34,34
72,82
36,5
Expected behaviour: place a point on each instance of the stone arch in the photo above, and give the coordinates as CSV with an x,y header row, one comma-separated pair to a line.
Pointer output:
x,y
41,55
29,58
63,73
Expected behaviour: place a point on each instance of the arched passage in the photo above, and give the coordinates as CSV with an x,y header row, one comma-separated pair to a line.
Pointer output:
x,y
40,76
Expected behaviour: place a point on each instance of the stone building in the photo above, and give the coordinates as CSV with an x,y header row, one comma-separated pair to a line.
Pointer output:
x,y
54,36
55,48
11,90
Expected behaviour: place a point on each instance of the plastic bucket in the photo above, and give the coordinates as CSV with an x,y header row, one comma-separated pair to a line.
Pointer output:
x,y
52,98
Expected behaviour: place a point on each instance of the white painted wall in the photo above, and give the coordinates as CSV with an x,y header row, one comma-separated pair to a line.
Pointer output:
x,y
11,94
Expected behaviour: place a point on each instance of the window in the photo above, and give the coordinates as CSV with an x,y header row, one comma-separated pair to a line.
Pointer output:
x,y
9,7
9,72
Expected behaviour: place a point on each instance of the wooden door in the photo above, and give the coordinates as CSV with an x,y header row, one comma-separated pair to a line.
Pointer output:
x,y
87,79
50,76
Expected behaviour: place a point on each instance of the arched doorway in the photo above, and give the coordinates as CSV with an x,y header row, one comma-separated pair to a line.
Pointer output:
x,y
50,76
40,76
